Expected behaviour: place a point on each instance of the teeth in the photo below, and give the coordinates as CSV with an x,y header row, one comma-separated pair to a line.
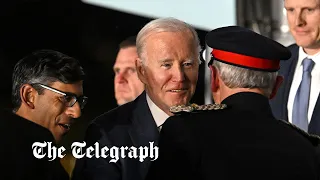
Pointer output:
x,y
176,90
67,126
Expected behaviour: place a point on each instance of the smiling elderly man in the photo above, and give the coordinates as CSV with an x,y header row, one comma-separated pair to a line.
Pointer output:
x,y
167,64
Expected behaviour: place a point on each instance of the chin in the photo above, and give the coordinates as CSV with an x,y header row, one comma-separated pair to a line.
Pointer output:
x,y
179,102
57,139
306,43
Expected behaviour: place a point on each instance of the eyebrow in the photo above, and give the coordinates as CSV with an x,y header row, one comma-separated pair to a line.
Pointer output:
x,y
165,60
170,60
189,60
303,7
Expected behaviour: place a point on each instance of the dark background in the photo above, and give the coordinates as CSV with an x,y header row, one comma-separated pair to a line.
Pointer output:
x,y
89,33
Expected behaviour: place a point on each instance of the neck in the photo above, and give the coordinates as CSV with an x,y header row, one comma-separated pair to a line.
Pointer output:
x,y
226,92
311,51
22,112
159,105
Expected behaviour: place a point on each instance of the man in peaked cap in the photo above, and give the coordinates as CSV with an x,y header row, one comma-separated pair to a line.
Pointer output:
x,y
242,140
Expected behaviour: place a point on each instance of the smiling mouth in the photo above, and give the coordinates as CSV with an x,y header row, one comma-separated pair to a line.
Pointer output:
x,y
65,126
177,90
301,32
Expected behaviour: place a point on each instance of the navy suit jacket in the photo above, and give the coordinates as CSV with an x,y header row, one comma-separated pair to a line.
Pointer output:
x,y
129,125
280,102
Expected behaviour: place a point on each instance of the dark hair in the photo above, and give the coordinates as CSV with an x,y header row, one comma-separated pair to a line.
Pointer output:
x,y
44,66
128,42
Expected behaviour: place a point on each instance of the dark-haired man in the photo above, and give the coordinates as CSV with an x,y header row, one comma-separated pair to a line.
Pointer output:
x,y
127,85
47,96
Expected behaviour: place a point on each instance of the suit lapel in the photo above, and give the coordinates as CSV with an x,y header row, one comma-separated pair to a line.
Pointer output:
x,y
288,76
143,129
314,125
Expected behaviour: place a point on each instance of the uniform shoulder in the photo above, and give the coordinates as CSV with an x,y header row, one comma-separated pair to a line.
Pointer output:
x,y
190,117
314,139
194,108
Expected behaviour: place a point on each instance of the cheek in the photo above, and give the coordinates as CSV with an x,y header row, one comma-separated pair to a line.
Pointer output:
x,y
192,75
158,79
290,19
318,28
133,80
57,109
313,22
162,80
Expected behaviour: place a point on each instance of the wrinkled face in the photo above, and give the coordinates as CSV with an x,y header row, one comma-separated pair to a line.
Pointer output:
x,y
127,85
51,111
304,21
170,69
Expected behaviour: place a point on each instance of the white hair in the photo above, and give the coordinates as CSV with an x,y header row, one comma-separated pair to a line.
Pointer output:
x,y
165,25
237,77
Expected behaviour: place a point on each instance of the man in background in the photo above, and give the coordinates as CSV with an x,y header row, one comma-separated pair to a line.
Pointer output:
x,y
47,96
298,99
127,85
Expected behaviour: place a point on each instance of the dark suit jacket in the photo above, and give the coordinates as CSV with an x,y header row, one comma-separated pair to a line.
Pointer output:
x,y
17,160
243,141
280,102
129,125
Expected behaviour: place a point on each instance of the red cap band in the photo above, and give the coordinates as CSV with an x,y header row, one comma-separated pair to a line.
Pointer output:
x,y
247,61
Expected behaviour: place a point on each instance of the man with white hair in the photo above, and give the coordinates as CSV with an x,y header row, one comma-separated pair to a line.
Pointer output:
x,y
167,64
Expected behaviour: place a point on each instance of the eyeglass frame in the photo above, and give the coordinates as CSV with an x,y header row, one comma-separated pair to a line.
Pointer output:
x,y
65,94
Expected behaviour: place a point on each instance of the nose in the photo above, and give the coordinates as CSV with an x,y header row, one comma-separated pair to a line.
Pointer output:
x,y
299,19
120,77
178,74
74,111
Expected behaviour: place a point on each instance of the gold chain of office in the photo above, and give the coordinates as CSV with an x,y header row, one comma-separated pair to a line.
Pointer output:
x,y
195,107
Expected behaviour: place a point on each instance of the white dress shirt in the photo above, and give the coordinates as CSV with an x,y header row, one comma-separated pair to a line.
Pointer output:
x,y
315,83
158,115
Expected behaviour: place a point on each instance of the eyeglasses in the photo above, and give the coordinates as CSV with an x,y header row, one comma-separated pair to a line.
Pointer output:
x,y
69,98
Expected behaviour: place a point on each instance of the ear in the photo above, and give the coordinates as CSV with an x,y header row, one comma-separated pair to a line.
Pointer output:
x,y
27,95
277,85
141,70
214,79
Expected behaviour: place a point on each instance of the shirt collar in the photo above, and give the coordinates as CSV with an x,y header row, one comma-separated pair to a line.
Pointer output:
x,y
158,115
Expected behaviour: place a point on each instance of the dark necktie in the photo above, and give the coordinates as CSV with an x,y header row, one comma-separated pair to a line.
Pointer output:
x,y
301,101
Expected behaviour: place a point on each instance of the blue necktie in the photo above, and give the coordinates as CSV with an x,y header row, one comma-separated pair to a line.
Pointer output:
x,y
301,101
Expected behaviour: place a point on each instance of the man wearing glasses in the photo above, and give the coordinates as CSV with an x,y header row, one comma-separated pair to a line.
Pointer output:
x,y
47,96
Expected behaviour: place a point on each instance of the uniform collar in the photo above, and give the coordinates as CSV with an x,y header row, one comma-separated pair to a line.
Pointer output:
x,y
249,101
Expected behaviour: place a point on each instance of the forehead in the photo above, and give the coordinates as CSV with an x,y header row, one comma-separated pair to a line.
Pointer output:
x,y
170,44
301,3
126,56
75,88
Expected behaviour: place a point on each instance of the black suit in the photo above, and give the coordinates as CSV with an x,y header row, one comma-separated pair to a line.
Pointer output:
x,y
131,124
280,102
17,160
243,141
